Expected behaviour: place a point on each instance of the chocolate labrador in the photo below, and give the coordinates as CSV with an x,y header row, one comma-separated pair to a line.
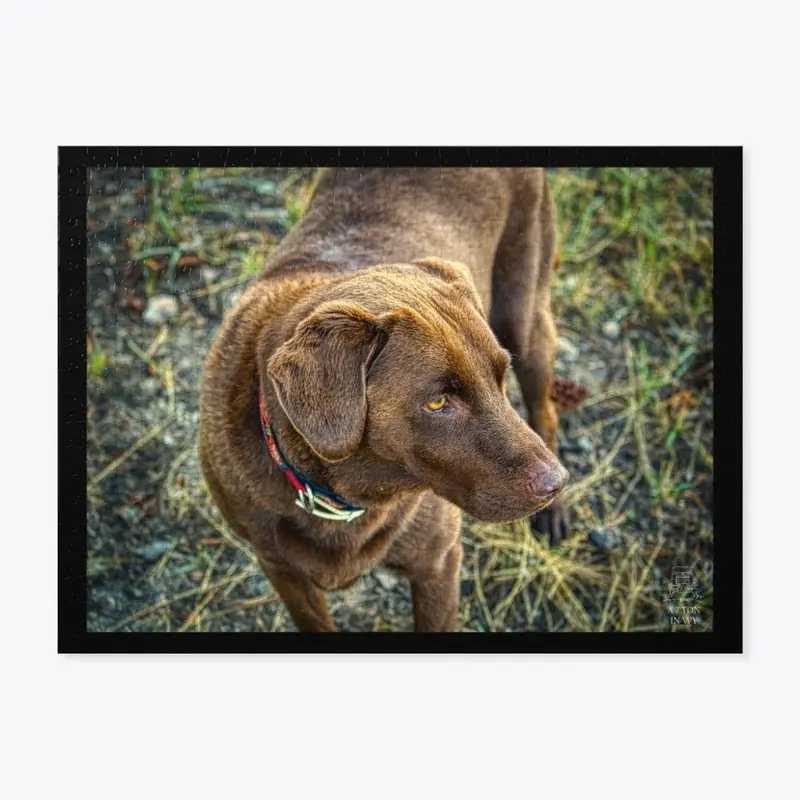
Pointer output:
x,y
353,402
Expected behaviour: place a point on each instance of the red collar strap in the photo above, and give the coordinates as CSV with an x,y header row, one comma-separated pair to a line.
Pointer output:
x,y
311,498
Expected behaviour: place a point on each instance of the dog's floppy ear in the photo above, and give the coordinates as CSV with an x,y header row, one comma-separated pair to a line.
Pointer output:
x,y
320,376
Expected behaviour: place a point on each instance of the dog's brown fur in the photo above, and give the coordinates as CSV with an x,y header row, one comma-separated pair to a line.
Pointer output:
x,y
364,315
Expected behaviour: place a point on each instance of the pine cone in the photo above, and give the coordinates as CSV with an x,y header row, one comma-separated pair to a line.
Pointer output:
x,y
567,394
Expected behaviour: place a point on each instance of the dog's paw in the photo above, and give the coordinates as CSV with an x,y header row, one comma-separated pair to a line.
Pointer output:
x,y
553,522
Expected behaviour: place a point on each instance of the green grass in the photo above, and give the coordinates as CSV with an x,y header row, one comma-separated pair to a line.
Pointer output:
x,y
97,360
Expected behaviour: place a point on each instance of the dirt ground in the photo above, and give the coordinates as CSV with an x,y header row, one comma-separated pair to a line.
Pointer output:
x,y
170,251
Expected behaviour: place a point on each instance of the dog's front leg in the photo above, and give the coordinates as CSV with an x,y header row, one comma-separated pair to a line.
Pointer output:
x,y
303,599
435,593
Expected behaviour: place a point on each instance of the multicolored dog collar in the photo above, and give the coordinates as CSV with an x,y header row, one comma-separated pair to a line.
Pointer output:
x,y
312,499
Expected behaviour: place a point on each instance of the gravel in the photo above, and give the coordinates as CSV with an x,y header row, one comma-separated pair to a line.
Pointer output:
x,y
160,309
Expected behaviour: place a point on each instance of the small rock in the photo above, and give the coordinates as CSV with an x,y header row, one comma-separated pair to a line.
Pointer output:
x,y
130,514
612,329
160,309
568,349
149,386
584,444
154,549
604,540
386,579
210,275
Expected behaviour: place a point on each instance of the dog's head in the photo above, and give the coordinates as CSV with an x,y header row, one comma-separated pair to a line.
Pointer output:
x,y
400,363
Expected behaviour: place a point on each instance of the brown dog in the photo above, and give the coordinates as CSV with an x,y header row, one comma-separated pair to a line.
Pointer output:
x,y
366,341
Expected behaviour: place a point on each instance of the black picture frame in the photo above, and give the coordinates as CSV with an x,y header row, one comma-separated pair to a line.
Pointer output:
x,y
74,163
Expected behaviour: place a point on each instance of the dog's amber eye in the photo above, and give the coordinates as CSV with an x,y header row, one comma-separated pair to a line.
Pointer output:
x,y
437,405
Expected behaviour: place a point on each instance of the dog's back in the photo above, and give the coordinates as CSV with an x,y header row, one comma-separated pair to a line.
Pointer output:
x,y
361,217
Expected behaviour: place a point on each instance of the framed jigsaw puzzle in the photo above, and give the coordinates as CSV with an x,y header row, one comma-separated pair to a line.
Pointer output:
x,y
400,395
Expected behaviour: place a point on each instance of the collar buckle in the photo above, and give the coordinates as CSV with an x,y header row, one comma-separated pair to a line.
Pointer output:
x,y
318,506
